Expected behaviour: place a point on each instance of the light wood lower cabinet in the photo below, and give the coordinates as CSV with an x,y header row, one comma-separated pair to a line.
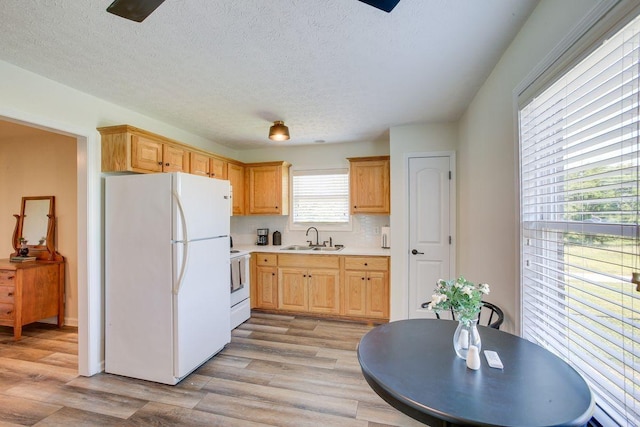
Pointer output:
x,y
366,293
266,281
309,283
312,290
323,284
366,286
235,175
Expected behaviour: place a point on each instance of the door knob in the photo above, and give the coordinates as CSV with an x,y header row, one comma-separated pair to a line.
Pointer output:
x,y
415,252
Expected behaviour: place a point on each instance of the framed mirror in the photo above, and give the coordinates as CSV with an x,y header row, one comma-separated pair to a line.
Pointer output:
x,y
35,227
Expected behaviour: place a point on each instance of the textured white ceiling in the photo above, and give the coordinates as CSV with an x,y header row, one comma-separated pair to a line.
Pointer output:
x,y
333,70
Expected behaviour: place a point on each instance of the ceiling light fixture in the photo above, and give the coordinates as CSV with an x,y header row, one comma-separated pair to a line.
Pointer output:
x,y
279,132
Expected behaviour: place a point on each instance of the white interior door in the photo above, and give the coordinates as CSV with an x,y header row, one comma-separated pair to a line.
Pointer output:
x,y
430,228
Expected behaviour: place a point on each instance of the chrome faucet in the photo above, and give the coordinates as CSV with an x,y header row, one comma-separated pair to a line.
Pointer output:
x,y
317,237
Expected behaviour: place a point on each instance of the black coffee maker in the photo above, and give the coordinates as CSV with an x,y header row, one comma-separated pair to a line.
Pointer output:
x,y
263,237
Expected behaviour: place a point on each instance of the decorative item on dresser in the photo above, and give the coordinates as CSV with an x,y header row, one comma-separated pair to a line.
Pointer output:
x,y
36,223
32,287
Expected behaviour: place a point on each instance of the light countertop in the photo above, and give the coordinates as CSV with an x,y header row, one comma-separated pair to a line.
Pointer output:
x,y
369,251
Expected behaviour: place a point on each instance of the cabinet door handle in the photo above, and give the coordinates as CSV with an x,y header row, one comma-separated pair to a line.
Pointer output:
x,y
167,164
10,294
160,163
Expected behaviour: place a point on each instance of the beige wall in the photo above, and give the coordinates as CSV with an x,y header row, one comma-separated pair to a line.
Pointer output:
x,y
38,163
485,142
430,137
488,236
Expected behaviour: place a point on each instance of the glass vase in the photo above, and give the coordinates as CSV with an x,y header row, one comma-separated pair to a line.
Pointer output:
x,y
466,335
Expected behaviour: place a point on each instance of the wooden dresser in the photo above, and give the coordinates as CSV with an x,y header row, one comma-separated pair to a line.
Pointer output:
x,y
30,291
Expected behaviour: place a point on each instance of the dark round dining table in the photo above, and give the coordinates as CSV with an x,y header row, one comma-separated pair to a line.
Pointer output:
x,y
412,365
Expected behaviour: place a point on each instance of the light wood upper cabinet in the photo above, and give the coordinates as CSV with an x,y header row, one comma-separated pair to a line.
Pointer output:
x,y
218,168
203,165
146,154
126,148
175,159
199,164
258,188
369,185
267,187
153,156
235,175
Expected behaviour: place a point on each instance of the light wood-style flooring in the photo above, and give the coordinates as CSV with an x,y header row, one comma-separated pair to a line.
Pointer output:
x,y
277,371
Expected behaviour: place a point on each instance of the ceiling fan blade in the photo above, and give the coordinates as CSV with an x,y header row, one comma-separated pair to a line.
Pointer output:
x,y
386,5
135,10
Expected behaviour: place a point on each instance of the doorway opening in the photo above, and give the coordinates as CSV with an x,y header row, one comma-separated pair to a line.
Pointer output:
x,y
38,147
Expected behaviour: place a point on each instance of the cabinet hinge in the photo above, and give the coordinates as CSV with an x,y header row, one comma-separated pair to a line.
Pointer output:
x,y
449,239
449,174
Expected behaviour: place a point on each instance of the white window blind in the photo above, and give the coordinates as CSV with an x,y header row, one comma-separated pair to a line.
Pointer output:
x,y
320,196
579,222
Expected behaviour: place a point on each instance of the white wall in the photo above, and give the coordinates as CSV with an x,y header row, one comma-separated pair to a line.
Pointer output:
x,y
34,100
431,137
487,203
365,228
488,236
485,141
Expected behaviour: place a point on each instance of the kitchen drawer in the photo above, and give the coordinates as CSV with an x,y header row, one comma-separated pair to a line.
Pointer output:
x,y
7,277
6,310
265,259
6,293
366,263
309,261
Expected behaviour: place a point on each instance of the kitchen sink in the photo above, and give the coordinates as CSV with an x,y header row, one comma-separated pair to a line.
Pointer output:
x,y
311,248
296,248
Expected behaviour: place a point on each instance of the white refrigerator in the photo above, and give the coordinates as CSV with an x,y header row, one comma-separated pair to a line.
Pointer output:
x,y
167,298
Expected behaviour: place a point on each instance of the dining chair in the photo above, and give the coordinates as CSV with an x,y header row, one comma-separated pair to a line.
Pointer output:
x,y
487,313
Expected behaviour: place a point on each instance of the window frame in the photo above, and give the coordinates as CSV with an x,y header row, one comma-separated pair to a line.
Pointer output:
x,y
603,22
321,226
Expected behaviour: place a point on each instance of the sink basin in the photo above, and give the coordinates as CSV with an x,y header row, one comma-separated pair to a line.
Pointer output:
x,y
296,248
311,248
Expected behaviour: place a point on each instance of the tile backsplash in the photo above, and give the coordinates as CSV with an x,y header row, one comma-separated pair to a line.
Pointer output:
x,y
365,231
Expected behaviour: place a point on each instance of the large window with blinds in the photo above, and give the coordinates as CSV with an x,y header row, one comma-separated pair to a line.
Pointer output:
x,y
320,196
579,166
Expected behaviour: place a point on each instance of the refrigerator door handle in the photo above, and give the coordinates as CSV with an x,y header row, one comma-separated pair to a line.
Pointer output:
x,y
185,252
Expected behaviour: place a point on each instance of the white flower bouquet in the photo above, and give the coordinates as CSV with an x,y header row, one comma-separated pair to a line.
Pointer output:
x,y
464,298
